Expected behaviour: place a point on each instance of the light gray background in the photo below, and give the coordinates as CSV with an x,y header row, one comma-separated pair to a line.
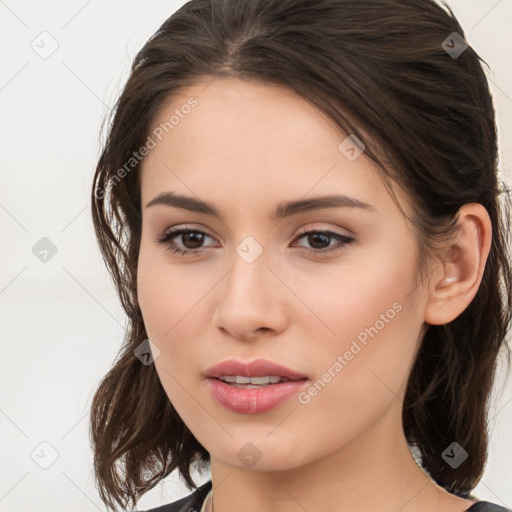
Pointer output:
x,y
61,324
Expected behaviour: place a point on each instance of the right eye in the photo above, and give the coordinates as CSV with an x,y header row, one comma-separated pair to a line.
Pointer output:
x,y
193,237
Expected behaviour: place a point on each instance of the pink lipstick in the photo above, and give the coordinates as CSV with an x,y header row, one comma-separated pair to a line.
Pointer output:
x,y
253,387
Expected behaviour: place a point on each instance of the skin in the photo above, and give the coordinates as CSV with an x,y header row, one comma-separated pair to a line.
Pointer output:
x,y
246,147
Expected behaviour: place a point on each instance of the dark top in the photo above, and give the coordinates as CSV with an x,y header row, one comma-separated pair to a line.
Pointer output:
x,y
195,501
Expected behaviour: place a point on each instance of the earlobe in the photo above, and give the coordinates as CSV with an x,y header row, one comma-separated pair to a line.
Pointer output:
x,y
457,278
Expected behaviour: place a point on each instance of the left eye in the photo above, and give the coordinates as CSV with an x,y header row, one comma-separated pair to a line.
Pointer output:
x,y
196,237
316,237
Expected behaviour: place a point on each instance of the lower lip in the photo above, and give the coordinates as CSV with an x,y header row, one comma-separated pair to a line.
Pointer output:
x,y
254,400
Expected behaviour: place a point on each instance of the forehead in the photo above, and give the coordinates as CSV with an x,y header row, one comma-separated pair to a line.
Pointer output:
x,y
254,141
245,115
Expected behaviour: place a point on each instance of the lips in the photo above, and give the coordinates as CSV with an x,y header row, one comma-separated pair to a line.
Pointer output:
x,y
255,368
254,401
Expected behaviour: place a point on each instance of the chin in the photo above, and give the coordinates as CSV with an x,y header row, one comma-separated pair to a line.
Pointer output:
x,y
260,453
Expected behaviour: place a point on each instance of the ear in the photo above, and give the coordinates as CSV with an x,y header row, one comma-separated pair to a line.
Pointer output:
x,y
455,281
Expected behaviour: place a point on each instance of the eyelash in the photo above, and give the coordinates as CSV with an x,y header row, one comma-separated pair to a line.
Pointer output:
x,y
166,239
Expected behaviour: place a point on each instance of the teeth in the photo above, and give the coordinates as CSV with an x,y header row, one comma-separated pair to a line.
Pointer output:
x,y
237,379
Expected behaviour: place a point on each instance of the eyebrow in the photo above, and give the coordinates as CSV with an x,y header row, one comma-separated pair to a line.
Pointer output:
x,y
283,210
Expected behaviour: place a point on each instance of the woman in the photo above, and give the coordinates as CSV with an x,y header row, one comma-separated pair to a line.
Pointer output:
x,y
299,204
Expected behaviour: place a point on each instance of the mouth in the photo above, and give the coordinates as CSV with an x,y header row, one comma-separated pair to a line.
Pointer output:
x,y
240,381
253,387
255,372
248,398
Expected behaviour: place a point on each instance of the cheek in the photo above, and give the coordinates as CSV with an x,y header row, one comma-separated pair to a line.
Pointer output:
x,y
369,329
350,298
150,292
361,372
170,299
166,295
166,303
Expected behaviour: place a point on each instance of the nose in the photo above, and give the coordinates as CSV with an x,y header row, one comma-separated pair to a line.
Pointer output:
x,y
251,300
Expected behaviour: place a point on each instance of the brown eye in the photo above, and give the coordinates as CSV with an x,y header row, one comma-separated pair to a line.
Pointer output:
x,y
191,240
320,240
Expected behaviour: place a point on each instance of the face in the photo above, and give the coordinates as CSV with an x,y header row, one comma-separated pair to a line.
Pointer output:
x,y
327,292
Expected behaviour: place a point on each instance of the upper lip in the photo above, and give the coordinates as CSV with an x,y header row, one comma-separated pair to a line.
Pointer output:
x,y
255,368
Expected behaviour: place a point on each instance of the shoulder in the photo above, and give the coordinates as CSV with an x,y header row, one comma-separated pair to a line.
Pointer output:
x,y
190,503
486,506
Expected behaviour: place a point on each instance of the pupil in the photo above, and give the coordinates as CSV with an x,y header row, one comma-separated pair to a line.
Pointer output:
x,y
198,239
314,236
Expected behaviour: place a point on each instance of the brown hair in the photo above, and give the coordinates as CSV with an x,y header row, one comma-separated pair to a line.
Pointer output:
x,y
430,113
